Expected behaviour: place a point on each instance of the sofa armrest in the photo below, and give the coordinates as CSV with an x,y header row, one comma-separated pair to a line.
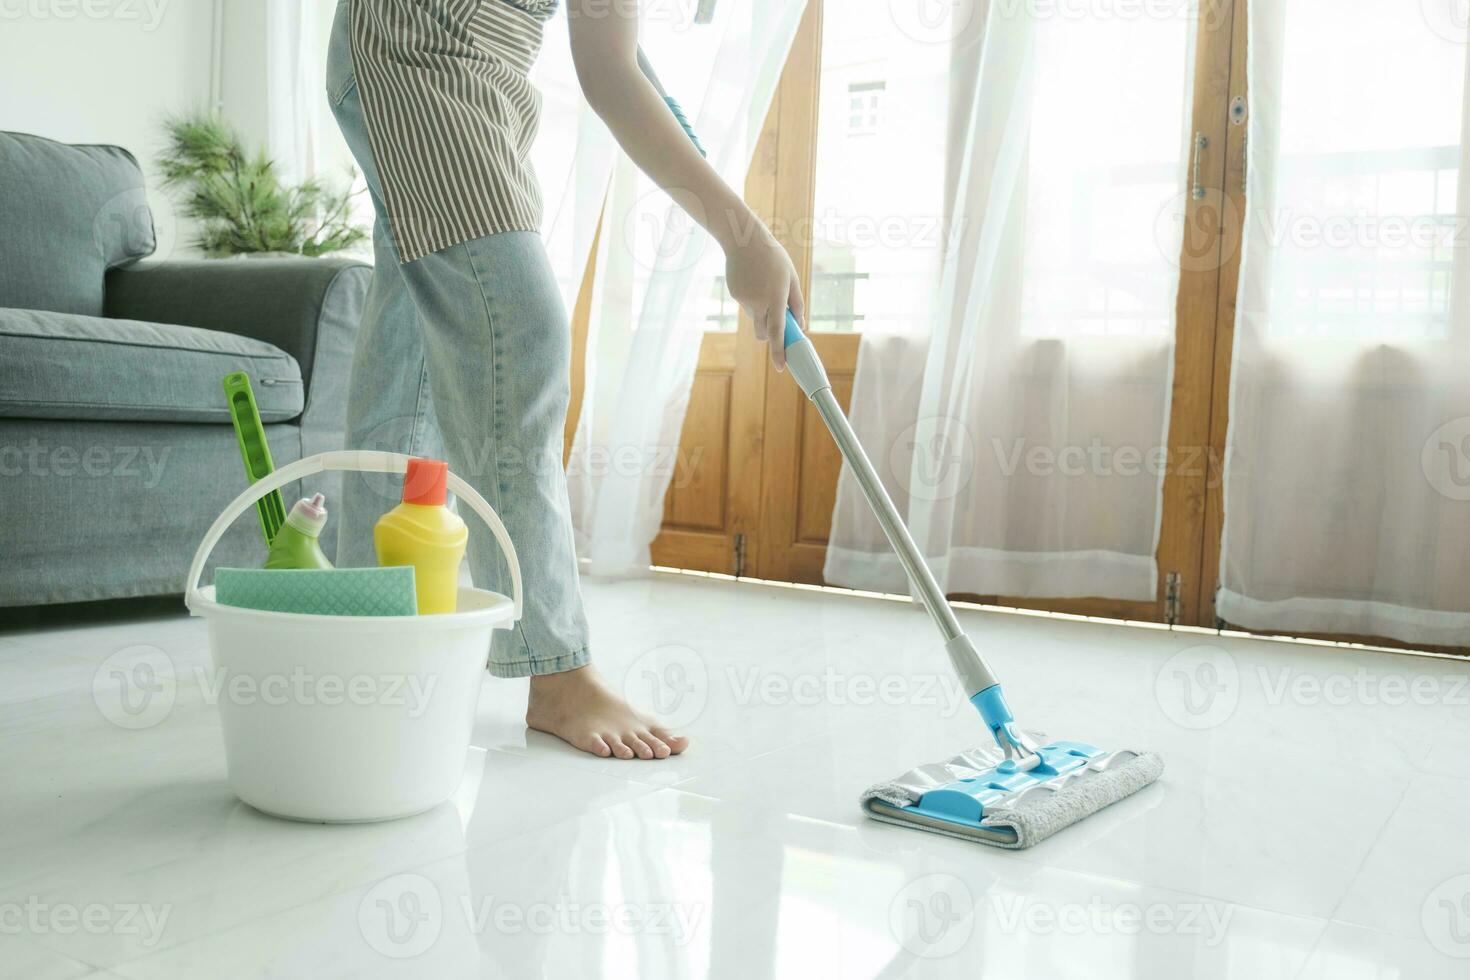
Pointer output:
x,y
293,303
308,307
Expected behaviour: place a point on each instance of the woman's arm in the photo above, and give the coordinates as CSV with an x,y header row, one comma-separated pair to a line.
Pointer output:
x,y
758,272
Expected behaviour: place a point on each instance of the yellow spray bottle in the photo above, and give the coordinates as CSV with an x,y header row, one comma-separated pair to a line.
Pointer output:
x,y
424,533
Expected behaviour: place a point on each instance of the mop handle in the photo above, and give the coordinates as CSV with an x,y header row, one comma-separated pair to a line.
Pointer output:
x,y
806,367
807,370
646,66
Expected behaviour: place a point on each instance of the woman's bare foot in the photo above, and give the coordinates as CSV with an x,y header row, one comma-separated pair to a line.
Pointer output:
x,y
577,708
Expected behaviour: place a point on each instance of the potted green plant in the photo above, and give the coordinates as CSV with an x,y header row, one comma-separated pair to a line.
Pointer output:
x,y
240,202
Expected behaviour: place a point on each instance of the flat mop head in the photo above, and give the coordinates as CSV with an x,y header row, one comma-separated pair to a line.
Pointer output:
x,y
980,796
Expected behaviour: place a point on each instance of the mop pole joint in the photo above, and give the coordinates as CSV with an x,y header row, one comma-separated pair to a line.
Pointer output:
x,y
1019,748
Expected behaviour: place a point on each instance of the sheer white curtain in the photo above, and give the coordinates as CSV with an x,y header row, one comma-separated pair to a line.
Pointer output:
x,y
1347,495
301,135
656,270
1021,417
573,157
299,126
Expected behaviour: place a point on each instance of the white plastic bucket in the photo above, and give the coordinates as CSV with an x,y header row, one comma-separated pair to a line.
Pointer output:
x,y
345,719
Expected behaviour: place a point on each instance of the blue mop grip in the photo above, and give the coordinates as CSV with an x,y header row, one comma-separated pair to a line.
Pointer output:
x,y
683,122
793,332
802,361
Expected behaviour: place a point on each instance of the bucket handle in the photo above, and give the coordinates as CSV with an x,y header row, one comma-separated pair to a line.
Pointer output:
x,y
349,461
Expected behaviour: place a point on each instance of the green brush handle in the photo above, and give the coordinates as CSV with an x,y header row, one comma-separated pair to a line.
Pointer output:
x,y
255,450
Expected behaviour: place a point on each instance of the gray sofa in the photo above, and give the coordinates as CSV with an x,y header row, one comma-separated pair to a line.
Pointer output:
x,y
116,451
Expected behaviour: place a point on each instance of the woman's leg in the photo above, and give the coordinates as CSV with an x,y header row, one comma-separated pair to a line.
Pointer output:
x,y
499,353
498,349
388,402
478,330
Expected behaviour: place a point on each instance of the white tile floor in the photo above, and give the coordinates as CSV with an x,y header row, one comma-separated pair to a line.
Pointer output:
x,y
1314,819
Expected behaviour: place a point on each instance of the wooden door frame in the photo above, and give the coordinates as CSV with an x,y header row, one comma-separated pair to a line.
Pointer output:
x,y
1204,318
779,152
783,555
581,324
786,145
1234,187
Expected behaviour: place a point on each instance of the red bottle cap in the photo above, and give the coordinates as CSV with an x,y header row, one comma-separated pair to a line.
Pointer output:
x,y
424,482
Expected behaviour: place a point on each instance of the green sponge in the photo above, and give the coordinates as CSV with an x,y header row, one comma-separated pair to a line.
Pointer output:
x,y
319,591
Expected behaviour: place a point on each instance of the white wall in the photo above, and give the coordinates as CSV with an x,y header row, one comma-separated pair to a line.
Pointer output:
x,y
242,69
102,71
110,71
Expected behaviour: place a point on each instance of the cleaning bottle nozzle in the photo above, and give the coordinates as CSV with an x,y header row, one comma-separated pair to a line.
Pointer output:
x,y
309,514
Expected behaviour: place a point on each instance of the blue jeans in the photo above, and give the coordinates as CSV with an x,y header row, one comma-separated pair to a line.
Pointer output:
x,y
465,354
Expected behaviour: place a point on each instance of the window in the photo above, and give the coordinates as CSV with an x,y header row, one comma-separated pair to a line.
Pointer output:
x,y
864,107
834,300
722,313
832,304
877,216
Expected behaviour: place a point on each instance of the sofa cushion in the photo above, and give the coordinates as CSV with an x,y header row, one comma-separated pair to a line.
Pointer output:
x,y
67,215
64,366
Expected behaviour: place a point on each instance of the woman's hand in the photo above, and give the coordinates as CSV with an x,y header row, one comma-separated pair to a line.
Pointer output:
x,y
758,271
762,279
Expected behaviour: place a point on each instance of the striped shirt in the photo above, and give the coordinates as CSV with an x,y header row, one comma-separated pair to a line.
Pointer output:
x,y
451,115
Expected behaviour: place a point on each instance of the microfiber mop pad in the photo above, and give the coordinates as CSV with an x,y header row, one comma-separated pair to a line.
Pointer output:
x,y
976,796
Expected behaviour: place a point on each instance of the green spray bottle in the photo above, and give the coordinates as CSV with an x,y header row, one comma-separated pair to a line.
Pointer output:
x,y
298,543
